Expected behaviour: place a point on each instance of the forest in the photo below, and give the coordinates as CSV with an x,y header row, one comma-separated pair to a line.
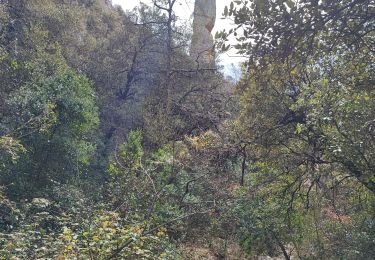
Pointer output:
x,y
115,143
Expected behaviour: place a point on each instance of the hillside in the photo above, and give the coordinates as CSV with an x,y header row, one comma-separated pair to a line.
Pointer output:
x,y
121,139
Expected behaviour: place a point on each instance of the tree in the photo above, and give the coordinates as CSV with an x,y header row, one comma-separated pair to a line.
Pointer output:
x,y
307,73
307,88
54,123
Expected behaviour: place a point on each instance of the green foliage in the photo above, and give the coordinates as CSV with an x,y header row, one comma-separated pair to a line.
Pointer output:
x,y
131,151
107,234
68,99
305,118
143,182
267,224
10,150
42,233
55,119
281,166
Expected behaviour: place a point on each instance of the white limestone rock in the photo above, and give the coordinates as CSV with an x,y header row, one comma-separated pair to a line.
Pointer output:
x,y
202,43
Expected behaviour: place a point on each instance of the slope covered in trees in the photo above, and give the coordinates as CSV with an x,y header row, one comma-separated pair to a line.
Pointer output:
x,y
115,144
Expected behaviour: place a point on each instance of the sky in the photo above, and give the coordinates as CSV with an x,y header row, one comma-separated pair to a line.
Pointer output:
x,y
184,10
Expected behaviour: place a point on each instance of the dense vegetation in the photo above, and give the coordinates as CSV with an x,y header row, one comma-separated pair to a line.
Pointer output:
x,y
115,144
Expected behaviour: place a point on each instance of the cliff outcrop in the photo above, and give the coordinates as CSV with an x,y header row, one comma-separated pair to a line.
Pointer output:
x,y
202,43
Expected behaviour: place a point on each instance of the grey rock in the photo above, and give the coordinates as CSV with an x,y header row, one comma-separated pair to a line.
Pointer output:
x,y
202,43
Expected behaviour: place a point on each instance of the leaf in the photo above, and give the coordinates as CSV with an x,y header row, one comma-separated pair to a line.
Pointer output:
x,y
299,128
290,3
226,11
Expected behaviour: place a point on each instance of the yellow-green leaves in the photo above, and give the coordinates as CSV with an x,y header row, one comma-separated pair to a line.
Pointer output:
x,y
129,157
10,147
108,233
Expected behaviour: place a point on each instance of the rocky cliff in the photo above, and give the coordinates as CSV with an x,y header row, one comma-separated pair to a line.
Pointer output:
x,y
202,44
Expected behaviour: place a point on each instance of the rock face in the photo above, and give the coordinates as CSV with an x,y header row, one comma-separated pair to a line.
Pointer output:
x,y
202,43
